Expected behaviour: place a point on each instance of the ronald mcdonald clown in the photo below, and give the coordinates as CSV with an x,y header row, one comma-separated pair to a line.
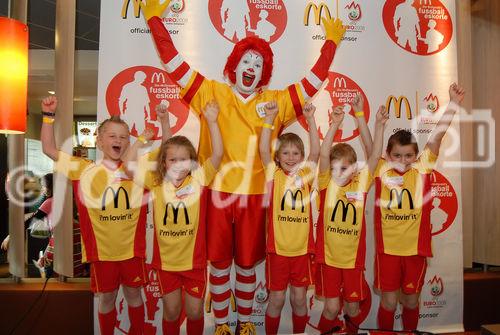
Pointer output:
x,y
236,213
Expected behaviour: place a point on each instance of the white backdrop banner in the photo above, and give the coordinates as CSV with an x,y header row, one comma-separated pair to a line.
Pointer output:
x,y
398,53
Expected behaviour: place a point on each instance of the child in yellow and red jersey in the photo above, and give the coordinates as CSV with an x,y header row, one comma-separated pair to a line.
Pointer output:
x,y
112,218
340,243
290,243
402,218
178,187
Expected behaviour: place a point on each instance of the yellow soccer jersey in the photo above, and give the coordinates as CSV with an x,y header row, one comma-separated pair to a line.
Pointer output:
x,y
290,229
180,219
402,208
341,231
111,207
240,121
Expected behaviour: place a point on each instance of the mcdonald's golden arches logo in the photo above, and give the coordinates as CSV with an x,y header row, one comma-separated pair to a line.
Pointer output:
x,y
175,212
293,198
158,77
345,211
399,198
126,5
398,104
339,82
318,11
116,196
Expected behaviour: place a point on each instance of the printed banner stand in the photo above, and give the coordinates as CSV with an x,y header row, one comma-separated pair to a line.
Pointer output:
x,y
380,57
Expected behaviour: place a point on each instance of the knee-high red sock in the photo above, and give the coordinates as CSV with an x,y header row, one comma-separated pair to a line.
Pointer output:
x,y
244,292
107,322
352,324
195,327
272,325
136,316
299,323
170,327
220,290
410,318
385,318
325,325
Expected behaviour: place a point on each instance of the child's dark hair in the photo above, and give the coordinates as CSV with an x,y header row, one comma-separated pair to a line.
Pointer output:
x,y
286,139
112,119
179,140
47,182
402,137
343,151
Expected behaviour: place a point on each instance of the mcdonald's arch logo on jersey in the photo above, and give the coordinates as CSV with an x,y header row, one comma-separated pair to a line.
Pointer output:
x,y
116,197
398,105
399,198
175,212
293,199
345,211
317,11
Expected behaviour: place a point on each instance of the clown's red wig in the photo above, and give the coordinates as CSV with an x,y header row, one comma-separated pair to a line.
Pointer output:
x,y
250,43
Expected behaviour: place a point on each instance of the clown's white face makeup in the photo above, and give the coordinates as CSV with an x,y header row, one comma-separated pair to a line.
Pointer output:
x,y
249,72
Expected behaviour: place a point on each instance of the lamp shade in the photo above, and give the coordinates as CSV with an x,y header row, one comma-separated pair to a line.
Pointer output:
x,y
13,75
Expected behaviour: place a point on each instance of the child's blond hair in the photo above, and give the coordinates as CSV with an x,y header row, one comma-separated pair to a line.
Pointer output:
x,y
343,151
287,139
112,119
179,140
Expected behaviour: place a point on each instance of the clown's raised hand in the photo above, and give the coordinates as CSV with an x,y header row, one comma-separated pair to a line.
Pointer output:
x,y
151,8
334,29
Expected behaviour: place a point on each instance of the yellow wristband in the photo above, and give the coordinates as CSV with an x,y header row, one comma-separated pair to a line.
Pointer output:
x,y
142,139
48,120
359,114
268,126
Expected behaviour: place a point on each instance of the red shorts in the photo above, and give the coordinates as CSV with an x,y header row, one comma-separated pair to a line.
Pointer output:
x,y
238,229
400,272
283,270
107,276
331,282
193,281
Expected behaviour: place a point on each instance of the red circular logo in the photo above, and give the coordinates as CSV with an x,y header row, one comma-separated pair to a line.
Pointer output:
x,y
237,19
444,203
339,90
422,27
135,92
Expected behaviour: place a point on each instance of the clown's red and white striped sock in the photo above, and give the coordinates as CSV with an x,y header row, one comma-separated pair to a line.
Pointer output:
x,y
220,290
244,292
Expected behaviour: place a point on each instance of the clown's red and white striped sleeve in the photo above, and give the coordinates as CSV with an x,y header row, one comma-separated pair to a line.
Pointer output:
x,y
176,67
311,83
